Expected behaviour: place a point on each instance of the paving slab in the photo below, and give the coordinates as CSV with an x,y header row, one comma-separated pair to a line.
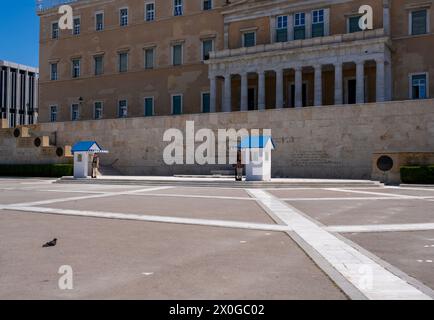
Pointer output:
x,y
400,191
19,196
356,212
127,260
221,192
220,209
411,252
315,193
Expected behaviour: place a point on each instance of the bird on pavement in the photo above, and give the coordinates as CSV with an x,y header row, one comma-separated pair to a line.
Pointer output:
x,y
50,244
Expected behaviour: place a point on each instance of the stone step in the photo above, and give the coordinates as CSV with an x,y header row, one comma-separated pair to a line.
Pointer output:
x,y
225,183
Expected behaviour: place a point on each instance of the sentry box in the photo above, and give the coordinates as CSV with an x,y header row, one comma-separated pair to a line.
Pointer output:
x,y
256,155
81,151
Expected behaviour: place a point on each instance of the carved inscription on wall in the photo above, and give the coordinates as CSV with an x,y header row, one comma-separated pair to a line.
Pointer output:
x,y
312,159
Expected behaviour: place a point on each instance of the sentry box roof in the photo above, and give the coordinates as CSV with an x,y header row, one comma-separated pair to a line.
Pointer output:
x,y
256,142
88,146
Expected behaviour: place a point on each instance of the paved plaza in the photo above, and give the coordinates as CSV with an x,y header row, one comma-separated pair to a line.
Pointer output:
x,y
186,242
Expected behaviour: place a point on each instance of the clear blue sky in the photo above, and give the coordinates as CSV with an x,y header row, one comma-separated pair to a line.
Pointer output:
x,y
19,32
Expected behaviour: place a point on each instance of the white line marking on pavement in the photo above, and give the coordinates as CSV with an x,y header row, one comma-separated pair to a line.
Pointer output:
x,y
338,199
407,188
193,196
381,228
103,195
149,218
402,196
345,259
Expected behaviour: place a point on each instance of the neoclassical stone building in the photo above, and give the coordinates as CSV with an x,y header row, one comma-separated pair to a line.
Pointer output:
x,y
134,58
18,94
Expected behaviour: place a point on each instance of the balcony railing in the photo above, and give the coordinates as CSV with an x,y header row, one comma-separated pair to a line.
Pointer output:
x,y
43,5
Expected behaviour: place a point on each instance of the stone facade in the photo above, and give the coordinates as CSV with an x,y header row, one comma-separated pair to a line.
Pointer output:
x,y
328,142
333,67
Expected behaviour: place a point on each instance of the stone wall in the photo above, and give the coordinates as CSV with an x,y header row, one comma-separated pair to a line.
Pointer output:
x,y
322,142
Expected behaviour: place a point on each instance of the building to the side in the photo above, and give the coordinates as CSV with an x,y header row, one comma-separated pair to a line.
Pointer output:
x,y
134,58
18,93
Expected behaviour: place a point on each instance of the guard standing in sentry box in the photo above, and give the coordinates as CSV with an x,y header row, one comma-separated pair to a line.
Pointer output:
x,y
95,166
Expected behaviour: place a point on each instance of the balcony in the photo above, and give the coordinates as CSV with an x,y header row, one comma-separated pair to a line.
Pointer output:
x,y
44,5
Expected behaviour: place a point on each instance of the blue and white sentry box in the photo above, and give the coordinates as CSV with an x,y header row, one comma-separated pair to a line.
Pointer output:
x,y
81,152
256,153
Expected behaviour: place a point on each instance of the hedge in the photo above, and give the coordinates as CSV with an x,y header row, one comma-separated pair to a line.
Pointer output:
x,y
37,170
418,175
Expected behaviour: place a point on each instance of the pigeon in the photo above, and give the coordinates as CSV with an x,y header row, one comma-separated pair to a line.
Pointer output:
x,y
50,244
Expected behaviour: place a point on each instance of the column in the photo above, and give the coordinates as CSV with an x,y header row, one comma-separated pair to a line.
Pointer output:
x,y
318,85
8,93
386,17
360,78
244,92
389,83
279,88
213,94
36,99
261,90
298,87
308,26
26,97
18,98
290,27
380,81
226,36
338,84
227,105
273,29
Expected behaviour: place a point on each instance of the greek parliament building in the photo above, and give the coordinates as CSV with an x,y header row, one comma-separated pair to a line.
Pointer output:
x,y
18,94
136,58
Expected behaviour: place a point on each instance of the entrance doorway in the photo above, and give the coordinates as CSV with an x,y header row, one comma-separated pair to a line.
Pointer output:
x,y
251,99
351,89
303,94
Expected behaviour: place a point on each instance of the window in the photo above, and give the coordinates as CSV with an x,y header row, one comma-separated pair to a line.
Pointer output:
x,y
150,11
353,24
207,5
419,86
123,109
76,28
318,23
76,68
53,113
255,156
300,26
75,112
99,65
419,22
177,8
177,55
123,62
176,104
206,102
97,111
123,17
55,30
149,58
99,21
249,39
149,107
282,29
53,71
207,47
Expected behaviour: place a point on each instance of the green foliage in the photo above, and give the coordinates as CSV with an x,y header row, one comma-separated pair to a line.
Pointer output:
x,y
36,170
418,175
